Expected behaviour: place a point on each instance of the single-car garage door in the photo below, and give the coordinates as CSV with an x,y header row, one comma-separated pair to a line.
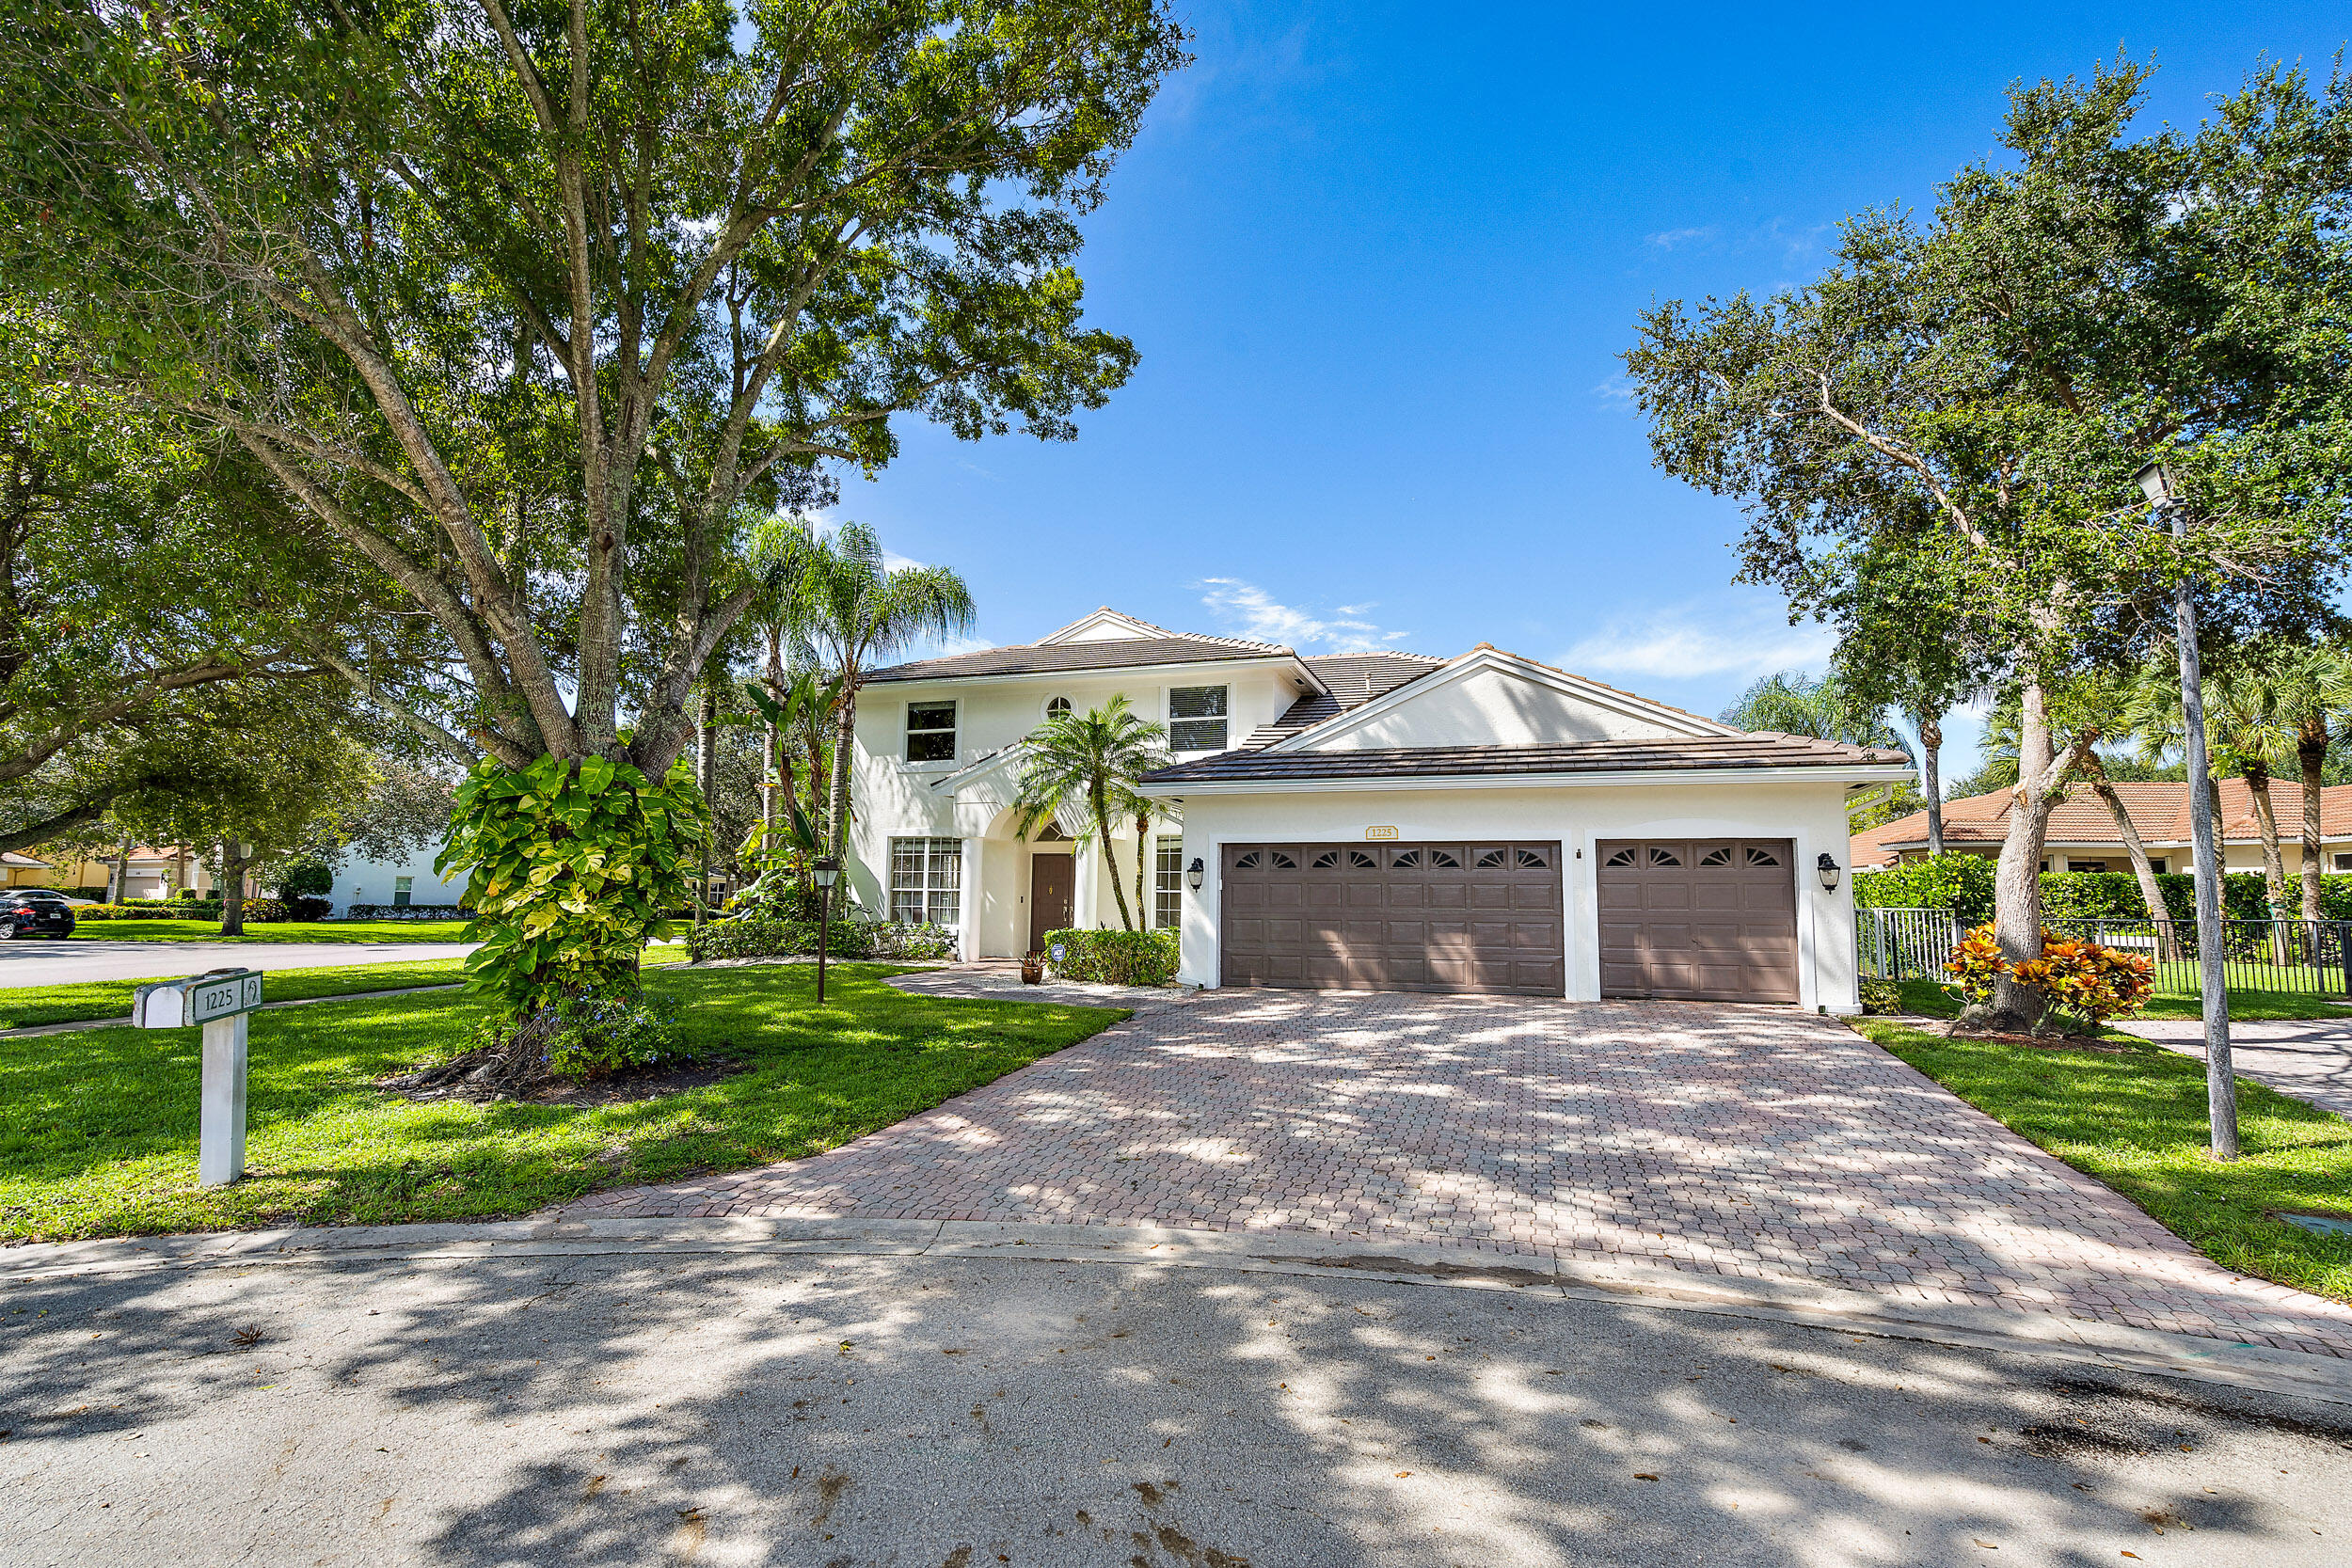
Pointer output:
x,y
1434,917
1701,920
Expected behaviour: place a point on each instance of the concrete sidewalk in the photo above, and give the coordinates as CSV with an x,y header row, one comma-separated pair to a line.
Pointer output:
x,y
2309,1059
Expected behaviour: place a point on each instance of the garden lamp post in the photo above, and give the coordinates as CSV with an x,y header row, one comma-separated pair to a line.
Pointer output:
x,y
2213,986
828,871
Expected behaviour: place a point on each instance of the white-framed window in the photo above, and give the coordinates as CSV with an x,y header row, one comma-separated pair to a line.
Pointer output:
x,y
931,732
403,889
1197,717
2158,863
927,880
2344,862
1167,885
1057,707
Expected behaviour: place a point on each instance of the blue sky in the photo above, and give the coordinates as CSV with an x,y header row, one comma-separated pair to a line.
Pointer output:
x,y
1379,260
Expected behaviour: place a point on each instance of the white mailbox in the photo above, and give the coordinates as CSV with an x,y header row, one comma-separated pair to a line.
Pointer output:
x,y
219,1001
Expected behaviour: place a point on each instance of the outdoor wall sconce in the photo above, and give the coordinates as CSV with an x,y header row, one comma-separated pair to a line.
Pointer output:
x,y
1193,874
1828,869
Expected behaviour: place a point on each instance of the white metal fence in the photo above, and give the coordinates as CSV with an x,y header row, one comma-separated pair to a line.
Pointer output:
x,y
1905,944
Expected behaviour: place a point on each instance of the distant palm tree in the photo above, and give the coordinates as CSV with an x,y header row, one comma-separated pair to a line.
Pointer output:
x,y
2313,685
848,612
1088,765
1794,702
2249,731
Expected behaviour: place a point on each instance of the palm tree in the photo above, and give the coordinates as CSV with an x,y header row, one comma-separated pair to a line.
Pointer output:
x,y
1086,765
1794,702
2313,686
850,611
779,552
2248,729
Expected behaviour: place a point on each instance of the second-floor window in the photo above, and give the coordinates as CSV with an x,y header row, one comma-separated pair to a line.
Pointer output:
x,y
1196,717
930,732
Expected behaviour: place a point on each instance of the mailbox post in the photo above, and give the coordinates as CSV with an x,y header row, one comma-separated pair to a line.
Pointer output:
x,y
218,999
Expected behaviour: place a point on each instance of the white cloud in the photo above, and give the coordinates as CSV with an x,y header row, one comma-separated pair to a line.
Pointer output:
x,y
1673,238
893,561
1694,643
1253,612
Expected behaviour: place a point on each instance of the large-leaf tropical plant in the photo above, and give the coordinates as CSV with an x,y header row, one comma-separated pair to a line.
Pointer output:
x,y
1087,765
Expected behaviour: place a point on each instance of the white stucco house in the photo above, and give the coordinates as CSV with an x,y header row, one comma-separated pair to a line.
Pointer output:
x,y
1484,823
395,882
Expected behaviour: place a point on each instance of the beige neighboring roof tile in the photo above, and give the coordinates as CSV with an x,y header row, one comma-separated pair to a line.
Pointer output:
x,y
2159,809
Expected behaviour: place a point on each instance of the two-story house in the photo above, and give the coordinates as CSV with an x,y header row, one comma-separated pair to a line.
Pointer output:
x,y
1375,822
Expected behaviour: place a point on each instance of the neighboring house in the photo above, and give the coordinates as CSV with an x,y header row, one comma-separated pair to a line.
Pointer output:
x,y
152,872
1376,821
2083,836
396,882
22,870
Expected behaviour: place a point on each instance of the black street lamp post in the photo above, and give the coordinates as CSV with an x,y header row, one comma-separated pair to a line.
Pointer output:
x,y
828,871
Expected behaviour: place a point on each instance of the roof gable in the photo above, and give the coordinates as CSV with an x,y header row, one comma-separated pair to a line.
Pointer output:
x,y
1488,697
1104,626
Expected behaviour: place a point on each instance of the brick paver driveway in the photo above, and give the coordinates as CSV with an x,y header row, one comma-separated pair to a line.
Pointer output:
x,y
1725,1140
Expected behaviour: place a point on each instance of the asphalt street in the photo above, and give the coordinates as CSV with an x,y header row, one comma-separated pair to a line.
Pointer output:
x,y
620,1407
58,963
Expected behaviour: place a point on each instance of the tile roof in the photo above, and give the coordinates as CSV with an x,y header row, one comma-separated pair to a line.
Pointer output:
x,y
1123,653
1600,757
2159,809
1353,679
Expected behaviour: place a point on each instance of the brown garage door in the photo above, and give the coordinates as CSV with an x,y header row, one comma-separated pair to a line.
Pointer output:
x,y
1437,917
1711,919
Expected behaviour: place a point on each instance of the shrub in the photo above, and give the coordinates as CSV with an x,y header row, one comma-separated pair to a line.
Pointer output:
x,y
407,911
1881,995
767,936
307,908
2090,981
267,912
588,1036
1961,884
1115,957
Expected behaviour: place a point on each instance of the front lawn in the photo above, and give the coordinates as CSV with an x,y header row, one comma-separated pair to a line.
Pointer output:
x,y
97,1128
288,930
2136,1120
23,1006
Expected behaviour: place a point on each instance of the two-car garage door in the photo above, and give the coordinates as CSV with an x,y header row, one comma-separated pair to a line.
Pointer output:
x,y
1699,920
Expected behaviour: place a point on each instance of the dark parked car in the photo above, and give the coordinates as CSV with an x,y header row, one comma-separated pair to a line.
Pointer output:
x,y
27,913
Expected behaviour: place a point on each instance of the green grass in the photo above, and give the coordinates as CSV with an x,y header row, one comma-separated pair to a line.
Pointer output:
x,y
23,1006
2136,1120
292,931
1929,1000
97,1128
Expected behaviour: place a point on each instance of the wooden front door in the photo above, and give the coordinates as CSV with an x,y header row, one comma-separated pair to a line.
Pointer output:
x,y
1052,879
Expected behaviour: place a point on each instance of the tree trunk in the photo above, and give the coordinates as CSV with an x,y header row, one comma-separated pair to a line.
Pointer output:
x,y
231,888
119,882
2017,877
706,775
844,748
1143,905
1930,775
2257,776
2143,871
771,785
1110,859
2311,755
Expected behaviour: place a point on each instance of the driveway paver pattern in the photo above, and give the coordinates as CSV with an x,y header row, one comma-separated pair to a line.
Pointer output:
x,y
1733,1141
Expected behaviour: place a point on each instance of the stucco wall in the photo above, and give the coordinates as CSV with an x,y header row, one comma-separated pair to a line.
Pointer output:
x,y
1813,815
1493,708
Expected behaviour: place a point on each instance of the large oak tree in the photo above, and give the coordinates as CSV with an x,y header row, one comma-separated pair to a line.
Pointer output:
x,y
1977,391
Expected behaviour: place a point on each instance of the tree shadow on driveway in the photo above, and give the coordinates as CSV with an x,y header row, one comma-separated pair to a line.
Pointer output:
x,y
851,1409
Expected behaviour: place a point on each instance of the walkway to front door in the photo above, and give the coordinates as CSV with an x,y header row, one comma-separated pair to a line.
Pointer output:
x,y
1724,1140
1052,879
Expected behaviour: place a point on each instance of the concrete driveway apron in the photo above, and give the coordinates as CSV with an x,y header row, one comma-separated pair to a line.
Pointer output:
x,y
1735,1141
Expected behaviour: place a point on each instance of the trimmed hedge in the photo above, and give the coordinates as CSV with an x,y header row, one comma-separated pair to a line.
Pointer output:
x,y
1880,996
768,937
407,912
1116,958
1964,884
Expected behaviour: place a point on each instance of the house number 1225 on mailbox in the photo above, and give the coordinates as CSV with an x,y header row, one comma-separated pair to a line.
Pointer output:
x,y
219,1001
